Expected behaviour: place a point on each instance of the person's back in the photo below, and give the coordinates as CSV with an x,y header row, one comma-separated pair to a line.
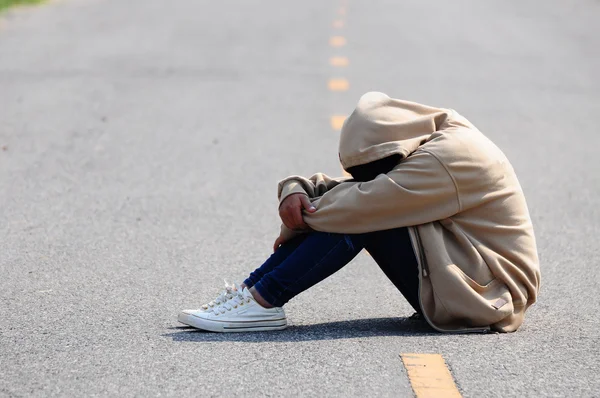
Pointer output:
x,y
489,243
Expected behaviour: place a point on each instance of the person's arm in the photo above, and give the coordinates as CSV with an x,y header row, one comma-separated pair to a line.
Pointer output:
x,y
313,187
417,191
285,234
295,194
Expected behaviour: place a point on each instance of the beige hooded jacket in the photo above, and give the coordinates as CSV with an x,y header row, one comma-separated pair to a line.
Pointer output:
x,y
459,196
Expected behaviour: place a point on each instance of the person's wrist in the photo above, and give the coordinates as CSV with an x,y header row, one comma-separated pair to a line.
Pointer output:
x,y
295,191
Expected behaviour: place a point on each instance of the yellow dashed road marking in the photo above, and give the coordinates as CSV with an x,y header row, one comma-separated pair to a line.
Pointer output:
x,y
338,61
337,121
337,41
338,84
429,376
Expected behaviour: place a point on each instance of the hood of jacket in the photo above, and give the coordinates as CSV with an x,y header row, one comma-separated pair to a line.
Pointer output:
x,y
381,126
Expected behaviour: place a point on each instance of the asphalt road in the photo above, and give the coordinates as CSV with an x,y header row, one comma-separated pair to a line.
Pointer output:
x,y
141,142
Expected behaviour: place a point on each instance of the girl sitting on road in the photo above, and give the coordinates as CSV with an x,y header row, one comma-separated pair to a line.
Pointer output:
x,y
436,204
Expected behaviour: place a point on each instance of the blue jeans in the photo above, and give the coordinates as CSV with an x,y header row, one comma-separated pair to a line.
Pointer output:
x,y
309,258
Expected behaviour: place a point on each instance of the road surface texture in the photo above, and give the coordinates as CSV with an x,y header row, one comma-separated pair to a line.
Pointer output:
x,y
141,143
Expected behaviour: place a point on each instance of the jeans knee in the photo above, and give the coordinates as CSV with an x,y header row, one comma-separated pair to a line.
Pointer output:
x,y
351,240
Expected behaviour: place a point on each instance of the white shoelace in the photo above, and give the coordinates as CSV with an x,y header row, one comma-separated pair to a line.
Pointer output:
x,y
223,297
236,300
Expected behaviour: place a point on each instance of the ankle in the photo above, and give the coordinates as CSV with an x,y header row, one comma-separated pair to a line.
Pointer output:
x,y
259,299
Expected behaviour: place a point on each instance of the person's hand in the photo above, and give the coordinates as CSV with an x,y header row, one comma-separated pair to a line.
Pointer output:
x,y
278,242
291,208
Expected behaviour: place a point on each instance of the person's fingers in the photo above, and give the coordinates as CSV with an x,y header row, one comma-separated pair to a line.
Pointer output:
x,y
278,242
297,218
307,205
290,211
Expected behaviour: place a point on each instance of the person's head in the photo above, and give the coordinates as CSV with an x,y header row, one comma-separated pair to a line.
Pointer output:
x,y
368,171
380,126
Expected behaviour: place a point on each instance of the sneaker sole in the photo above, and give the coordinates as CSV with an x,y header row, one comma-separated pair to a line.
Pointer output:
x,y
232,327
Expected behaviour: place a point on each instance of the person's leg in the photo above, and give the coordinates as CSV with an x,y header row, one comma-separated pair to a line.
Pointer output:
x,y
274,260
317,257
392,250
241,310
307,262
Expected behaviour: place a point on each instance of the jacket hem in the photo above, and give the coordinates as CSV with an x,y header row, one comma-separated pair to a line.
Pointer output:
x,y
415,242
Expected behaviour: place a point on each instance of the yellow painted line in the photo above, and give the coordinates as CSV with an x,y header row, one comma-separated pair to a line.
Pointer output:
x,y
338,61
337,121
338,84
338,24
429,376
337,41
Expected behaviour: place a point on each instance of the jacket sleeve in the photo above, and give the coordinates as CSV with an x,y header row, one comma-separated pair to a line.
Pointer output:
x,y
313,187
287,234
417,191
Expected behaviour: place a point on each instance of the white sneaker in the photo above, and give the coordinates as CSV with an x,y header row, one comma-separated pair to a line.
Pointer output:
x,y
225,295
238,314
